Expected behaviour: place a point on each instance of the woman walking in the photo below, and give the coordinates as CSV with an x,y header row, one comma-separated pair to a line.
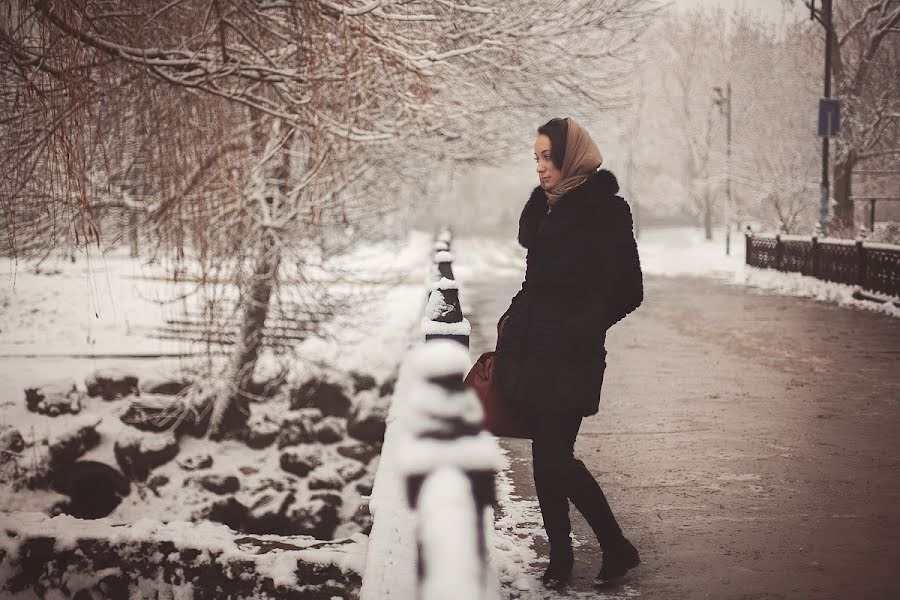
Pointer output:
x,y
583,275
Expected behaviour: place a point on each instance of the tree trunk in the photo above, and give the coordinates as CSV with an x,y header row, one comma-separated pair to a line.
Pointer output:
x,y
133,232
842,221
230,410
707,219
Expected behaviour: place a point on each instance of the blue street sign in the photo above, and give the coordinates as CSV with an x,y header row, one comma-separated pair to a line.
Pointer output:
x,y
829,117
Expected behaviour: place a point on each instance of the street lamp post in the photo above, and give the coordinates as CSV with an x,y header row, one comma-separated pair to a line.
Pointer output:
x,y
824,17
723,101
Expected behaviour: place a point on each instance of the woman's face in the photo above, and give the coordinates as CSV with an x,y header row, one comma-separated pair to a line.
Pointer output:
x,y
548,173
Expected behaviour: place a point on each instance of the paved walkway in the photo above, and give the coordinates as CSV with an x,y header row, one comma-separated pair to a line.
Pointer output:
x,y
749,443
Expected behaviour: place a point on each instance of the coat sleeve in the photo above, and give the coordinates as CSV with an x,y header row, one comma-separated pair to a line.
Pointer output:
x,y
619,288
511,303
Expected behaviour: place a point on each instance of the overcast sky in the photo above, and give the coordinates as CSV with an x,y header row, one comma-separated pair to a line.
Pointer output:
x,y
773,8
511,183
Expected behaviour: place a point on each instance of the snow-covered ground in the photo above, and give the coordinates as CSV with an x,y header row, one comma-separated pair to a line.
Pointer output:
x,y
65,321
684,251
69,319
672,252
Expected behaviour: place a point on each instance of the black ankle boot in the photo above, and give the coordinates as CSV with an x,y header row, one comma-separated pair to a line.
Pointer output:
x,y
618,558
562,560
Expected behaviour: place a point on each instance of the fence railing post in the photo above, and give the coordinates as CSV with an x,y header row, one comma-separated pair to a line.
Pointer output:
x,y
444,261
860,264
748,247
443,314
446,236
779,251
814,257
869,265
449,465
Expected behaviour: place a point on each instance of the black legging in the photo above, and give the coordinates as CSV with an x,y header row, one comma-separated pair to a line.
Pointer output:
x,y
560,477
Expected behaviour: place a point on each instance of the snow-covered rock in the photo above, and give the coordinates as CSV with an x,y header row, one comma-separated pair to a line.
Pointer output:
x,y
139,452
260,431
362,517
110,384
358,450
387,386
330,430
67,447
298,427
156,482
362,381
328,397
160,385
350,471
367,420
325,479
336,475
65,557
153,412
228,511
282,512
195,462
55,398
219,484
301,461
268,512
317,518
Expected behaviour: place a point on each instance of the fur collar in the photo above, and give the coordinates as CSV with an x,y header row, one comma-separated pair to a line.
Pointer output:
x,y
597,188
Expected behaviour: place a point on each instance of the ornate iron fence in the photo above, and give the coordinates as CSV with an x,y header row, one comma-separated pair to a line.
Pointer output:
x,y
874,267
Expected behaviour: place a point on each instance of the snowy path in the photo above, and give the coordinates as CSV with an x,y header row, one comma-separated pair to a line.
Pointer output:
x,y
748,442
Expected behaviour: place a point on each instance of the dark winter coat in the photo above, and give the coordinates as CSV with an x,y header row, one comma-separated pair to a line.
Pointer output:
x,y
583,275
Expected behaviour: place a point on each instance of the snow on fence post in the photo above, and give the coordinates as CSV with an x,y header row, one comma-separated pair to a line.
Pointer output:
x,y
443,317
442,256
448,464
441,248
444,261
435,479
446,236
436,474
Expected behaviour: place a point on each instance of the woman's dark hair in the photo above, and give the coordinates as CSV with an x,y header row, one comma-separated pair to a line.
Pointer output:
x,y
557,130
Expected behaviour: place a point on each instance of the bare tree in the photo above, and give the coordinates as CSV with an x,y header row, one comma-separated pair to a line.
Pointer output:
x,y
683,65
242,132
682,150
865,60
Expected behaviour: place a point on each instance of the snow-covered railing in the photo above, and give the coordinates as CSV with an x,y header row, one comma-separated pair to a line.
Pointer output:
x,y
870,266
436,473
434,482
441,265
443,317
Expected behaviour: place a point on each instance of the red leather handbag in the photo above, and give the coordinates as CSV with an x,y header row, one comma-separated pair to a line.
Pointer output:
x,y
499,417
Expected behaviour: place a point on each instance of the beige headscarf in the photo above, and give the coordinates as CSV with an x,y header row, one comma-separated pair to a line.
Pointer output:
x,y
582,158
